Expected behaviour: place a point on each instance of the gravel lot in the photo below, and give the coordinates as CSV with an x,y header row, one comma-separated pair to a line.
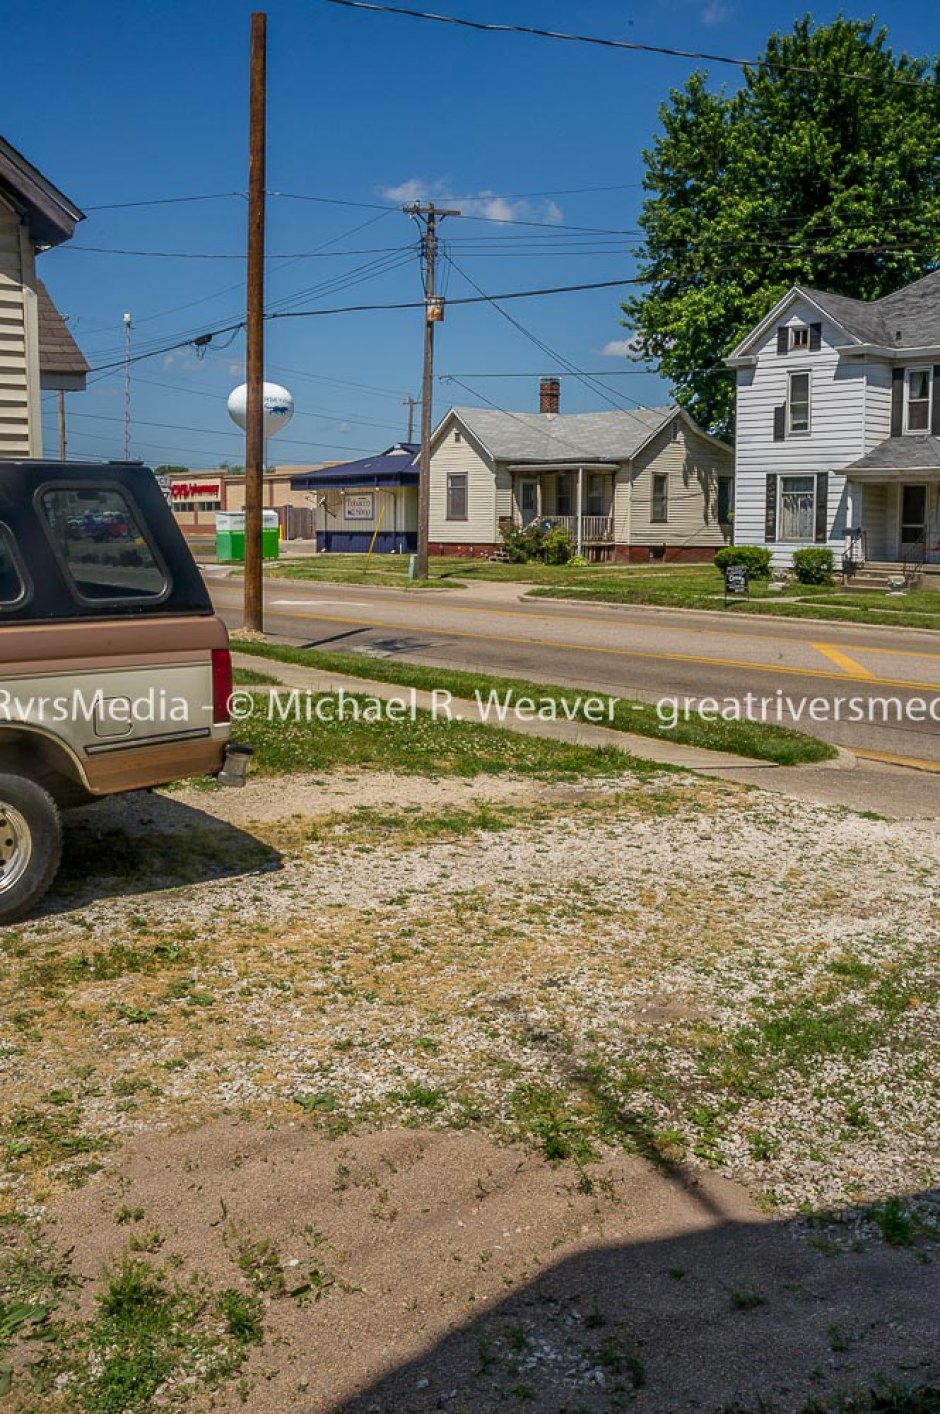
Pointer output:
x,y
719,980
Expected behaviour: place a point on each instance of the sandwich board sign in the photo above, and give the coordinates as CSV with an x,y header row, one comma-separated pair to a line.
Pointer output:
x,y
736,583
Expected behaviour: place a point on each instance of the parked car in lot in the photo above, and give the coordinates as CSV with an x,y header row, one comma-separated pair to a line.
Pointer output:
x,y
115,672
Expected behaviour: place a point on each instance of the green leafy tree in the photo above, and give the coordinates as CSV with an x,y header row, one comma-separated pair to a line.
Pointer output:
x,y
823,173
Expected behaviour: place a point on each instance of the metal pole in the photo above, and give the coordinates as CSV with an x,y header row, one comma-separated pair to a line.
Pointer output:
x,y
128,325
62,442
580,507
254,431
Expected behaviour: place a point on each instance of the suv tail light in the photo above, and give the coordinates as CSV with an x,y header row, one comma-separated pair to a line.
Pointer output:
x,y
221,685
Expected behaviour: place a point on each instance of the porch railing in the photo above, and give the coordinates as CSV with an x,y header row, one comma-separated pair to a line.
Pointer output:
x,y
595,530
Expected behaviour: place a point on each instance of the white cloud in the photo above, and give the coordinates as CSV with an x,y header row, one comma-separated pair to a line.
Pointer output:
x,y
617,348
716,12
488,203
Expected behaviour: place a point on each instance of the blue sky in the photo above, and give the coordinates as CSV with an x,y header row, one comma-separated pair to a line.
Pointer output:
x,y
121,102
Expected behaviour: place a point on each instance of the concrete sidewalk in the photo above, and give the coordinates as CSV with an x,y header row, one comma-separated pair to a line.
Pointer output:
x,y
887,790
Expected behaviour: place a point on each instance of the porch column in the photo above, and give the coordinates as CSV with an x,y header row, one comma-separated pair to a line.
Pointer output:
x,y
580,507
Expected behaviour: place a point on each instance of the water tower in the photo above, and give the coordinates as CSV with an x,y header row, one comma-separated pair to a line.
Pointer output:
x,y
277,405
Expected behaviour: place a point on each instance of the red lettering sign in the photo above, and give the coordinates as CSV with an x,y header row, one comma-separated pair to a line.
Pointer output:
x,y
186,490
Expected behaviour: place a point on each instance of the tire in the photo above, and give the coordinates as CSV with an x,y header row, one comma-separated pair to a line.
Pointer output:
x,y
30,845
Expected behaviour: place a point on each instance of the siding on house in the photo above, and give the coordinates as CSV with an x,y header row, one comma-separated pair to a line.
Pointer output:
x,y
837,435
487,496
689,461
20,421
877,404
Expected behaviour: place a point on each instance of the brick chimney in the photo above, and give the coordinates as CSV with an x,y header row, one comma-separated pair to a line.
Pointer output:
x,y
549,395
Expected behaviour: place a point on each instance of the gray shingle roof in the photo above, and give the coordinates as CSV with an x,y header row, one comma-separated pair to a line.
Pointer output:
x,y
913,312
563,437
901,454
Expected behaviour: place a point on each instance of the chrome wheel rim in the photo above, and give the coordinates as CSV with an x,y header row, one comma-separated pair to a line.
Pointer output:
x,y
16,846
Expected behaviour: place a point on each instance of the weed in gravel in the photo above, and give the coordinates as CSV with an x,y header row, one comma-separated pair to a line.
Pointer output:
x,y
257,1258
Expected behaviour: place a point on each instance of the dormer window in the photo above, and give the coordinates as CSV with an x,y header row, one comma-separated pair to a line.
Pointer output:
x,y
799,336
918,400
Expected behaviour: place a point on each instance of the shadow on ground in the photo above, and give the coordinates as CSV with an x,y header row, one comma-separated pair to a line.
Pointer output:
x,y
145,842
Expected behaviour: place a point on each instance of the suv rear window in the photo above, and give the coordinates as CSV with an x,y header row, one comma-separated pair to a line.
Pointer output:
x,y
11,585
102,545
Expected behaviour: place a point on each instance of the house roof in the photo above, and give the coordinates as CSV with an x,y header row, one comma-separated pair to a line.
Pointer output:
x,y
540,437
901,454
52,216
58,352
907,319
396,466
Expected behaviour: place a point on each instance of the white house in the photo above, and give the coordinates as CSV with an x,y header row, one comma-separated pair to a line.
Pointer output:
x,y
647,484
838,426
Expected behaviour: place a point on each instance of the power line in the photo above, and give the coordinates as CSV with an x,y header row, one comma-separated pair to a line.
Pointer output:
x,y
629,46
163,201
226,255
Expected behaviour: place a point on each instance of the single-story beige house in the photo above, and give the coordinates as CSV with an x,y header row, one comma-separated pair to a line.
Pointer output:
x,y
641,485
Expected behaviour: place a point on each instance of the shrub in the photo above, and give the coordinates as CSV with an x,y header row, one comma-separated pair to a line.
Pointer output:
x,y
754,558
537,542
814,565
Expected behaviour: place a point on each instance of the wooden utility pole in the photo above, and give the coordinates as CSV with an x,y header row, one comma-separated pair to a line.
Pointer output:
x,y
62,442
411,404
433,314
254,429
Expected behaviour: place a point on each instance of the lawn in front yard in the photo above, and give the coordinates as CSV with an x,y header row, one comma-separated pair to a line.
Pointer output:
x,y
671,586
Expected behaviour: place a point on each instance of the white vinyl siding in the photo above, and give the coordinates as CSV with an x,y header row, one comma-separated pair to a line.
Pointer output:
x,y
20,427
692,463
464,458
838,434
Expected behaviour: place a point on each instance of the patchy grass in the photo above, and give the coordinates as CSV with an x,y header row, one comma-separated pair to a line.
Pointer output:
x,y
762,741
421,746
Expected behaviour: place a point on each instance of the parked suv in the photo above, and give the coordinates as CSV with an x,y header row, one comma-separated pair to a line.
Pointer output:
x,y
115,673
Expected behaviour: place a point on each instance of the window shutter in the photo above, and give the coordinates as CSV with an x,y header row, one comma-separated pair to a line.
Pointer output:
x,y
897,401
822,506
935,413
815,338
770,509
780,423
783,339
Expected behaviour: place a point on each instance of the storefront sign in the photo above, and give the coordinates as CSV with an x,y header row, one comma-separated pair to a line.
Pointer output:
x,y
193,490
360,506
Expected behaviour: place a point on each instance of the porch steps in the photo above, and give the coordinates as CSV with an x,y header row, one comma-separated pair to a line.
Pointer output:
x,y
884,574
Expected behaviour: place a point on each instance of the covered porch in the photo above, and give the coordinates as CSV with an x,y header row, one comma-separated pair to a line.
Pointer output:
x,y
894,520
577,497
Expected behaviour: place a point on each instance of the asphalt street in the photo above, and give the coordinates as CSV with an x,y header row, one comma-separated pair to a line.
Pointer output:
x,y
874,690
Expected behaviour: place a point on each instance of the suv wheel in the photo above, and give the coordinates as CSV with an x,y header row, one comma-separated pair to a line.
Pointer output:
x,y
30,845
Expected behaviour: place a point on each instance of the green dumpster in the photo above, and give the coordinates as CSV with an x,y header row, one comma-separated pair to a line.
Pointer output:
x,y
230,536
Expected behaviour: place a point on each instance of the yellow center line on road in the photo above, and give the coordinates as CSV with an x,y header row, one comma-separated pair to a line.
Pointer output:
x,y
619,652
843,661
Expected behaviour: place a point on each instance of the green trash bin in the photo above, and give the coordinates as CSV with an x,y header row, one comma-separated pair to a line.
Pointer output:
x,y
230,537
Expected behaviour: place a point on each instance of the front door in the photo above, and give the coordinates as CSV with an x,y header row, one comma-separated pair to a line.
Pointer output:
x,y
528,500
913,515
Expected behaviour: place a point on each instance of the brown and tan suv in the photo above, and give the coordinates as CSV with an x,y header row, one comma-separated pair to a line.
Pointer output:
x,y
115,673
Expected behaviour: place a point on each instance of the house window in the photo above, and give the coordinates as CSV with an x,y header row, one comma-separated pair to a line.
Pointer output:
x,y
659,506
919,400
725,498
799,336
596,494
457,495
563,506
796,518
458,436
675,429
798,404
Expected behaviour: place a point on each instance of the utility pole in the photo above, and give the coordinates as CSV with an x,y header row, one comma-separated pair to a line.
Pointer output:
x,y
62,442
128,326
411,404
433,314
254,429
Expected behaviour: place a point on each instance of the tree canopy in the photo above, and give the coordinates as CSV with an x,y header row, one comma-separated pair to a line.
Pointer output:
x,y
828,178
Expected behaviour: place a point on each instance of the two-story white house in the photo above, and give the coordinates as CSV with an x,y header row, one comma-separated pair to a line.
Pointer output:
x,y
838,426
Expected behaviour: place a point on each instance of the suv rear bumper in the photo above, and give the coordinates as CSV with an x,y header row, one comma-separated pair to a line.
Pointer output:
x,y
140,767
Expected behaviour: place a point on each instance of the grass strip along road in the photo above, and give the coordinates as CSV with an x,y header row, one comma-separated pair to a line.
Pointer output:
x,y
743,738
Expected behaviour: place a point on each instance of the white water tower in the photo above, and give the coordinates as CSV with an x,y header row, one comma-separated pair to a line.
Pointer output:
x,y
277,404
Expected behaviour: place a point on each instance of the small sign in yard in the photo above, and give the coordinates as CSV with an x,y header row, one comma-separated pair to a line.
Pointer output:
x,y
736,583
